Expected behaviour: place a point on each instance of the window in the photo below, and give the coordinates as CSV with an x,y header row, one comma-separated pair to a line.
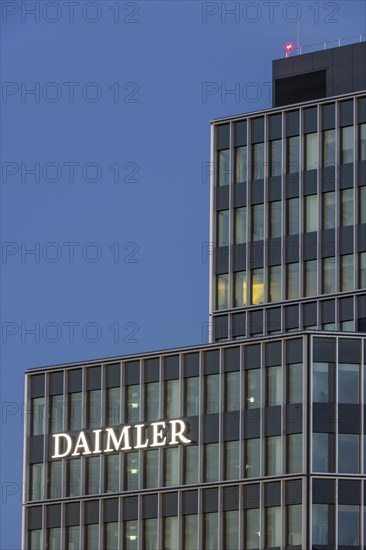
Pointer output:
x,y
328,148
112,473
346,144
252,386
328,275
73,474
36,482
241,161
294,383
273,526
131,481
171,471
293,285
150,534
223,228
311,280
257,222
94,409
363,270
171,398
152,401
133,403
293,220
92,475
311,151
363,204
223,167
92,536
191,396
56,413
321,383
212,393
294,453
232,460
258,161
321,530
240,225
240,298
190,531
232,391
252,457
347,272
231,530
275,219
329,210
111,536
72,537
252,529
131,535
273,455
54,538
274,283
274,385
294,525
348,383
171,533
222,291
190,464
35,539
362,142
275,160
311,213
293,157
348,525
348,453
55,479
37,416
257,286
210,527
113,406
151,468
347,202
211,461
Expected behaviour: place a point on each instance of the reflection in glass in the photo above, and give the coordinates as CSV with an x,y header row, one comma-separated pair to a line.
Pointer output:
x,y
273,526
171,398
223,167
252,457
346,144
37,416
92,475
112,473
72,537
240,298
311,151
171,533
275,216
171,472
191,396
91,537
56,413
223,228
232,460
362,193
348,383
232,391
231,530
257,222
257,286
240,225
94,409
258,161
294,525
222,291
211,461
113,406
275,160
311,213
293,219
273,455
54,538
347,202
328,148
348,525
294,383
36,482
321,392
252,529
55,479
210,527
212,393
252,387
311,281
348,453
363,270
35,539
329,210
131,535
320,521
190,531
111,536
151,534
274,283
133,403
274,385
293,156
152,401
73,472
132,470
294,453
151,468
190,464
347,272
362,142
329,275
241,161
293,285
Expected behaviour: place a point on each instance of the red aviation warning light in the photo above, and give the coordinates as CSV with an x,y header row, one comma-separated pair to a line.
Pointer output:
x,y
288,48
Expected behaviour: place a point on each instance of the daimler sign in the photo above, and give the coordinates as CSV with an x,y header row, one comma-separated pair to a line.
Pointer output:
x,y
126,438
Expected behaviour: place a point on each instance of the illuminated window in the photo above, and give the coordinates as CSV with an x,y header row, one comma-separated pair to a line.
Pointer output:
x,y
346,144
257,286
241,161
253,391
311,151
293,285
311,213
223,167
131,535
133,403
240,297
222,291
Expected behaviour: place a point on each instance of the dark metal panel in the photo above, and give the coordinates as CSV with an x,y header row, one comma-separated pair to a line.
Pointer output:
x,y
230,498
222,197
310,120
346,240
272,494
240,257
91,512
257,192
113,376
324,418
293,492
221,327
151,370
35,517
273,354
238,324
210,425
255,250
292,185
252,356
232,359
130,508
211,362
328,116
328,179
328,246
150,506
75,381
310,246
309,314
324,491
349,491
240,194
324,350
349,350
257,129
132,373
310,182
273,416
37,385
240,133
231,423
210,500
191,364
256,322
362,237
346,113
294,350
274,188
111,509
35,449
93,378
349,418
189,502
292,317
170,504
346,175
222,136
222,259
361,172
53,515
171,367
345,309
56,383
275,126
251,496
293,418
273,319
252,426
328,311
72,514
292,123
274,251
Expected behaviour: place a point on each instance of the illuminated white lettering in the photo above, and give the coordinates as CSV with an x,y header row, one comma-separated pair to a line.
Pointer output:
x,y
158,435
82,443
139,444
178,433
57,438
125,436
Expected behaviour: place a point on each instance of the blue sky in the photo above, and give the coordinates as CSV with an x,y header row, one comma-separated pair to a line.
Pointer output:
x,y
120,94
